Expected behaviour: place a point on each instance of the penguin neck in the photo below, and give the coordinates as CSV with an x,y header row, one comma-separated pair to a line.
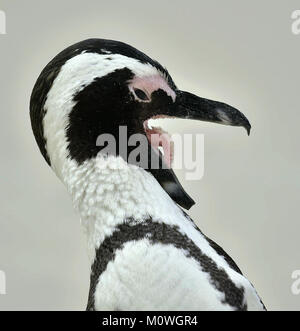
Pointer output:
x,y
106,192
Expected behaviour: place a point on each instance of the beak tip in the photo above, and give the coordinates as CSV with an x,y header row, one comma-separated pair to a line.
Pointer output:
x,y
247,126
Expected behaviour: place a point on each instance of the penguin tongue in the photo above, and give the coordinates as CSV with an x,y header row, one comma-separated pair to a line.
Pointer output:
x,y
160,140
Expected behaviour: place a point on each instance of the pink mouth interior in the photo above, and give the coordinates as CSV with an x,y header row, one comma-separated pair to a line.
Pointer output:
x,y
160,140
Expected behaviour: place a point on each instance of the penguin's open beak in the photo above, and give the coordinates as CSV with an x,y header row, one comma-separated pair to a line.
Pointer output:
x,y
190,106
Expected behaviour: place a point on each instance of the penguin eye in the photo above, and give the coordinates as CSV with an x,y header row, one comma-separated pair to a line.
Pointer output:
x,y
141,94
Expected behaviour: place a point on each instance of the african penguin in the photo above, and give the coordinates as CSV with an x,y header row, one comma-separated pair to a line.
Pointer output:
x,y
146,253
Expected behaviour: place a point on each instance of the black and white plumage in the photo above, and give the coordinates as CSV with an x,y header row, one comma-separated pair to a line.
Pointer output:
x,y
146,253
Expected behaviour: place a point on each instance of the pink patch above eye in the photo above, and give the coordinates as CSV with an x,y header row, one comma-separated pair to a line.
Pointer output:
x,y
149,84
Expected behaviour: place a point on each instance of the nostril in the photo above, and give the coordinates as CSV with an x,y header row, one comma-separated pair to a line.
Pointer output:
x,y
141,94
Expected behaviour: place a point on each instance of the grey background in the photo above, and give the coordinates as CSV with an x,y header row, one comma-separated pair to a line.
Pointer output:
x,y
239,52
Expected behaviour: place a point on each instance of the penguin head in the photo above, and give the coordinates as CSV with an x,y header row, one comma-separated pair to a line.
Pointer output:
x,y
96,87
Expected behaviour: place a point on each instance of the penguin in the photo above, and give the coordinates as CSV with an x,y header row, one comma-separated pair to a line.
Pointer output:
x,y
146,253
